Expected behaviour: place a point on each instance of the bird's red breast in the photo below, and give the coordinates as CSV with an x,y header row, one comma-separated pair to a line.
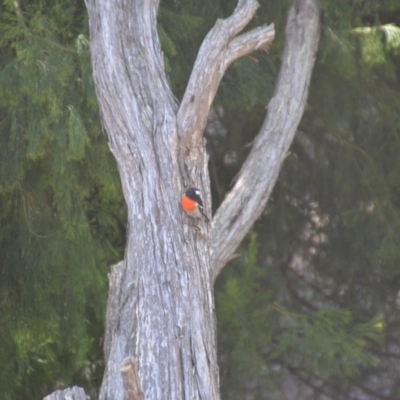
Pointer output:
x,y
188,204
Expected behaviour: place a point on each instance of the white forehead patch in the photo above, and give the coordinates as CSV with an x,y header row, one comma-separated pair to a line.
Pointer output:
x,y
197,192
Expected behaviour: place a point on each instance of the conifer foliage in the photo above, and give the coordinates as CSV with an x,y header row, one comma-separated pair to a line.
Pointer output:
x,y
60,201
324,277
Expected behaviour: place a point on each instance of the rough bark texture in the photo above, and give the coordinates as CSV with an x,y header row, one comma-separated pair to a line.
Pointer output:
x,y
161,307
254,183
160,313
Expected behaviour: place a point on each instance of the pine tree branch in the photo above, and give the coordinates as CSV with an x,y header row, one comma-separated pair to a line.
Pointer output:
x,y
219,49
255,181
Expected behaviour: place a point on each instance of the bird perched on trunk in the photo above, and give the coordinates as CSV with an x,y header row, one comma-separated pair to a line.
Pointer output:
x,y
192,204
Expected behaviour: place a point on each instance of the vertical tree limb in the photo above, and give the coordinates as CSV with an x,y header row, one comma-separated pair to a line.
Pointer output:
x,y
218,50
255,181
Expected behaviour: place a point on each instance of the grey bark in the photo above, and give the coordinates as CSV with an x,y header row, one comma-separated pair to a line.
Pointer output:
x,y
255,181
161,307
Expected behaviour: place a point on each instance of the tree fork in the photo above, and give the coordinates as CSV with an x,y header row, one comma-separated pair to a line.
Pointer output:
x,y
257,177
161,307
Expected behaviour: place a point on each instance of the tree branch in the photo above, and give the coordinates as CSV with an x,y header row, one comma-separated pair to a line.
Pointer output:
x,y
241,16
254,184
219,49
248,43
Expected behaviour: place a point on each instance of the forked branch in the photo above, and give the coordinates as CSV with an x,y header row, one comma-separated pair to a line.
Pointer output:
x,y
219,49
254,184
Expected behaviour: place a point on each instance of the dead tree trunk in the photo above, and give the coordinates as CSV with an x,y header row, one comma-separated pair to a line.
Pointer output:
x,y
161,306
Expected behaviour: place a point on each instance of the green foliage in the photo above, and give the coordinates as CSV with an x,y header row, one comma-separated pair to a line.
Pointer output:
x,y
328,343
243,328
185,29
256,333
343,15
247,84
60,200
328,242
183,26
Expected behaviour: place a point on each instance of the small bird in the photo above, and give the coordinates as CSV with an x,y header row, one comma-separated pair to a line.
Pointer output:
x,y
192,204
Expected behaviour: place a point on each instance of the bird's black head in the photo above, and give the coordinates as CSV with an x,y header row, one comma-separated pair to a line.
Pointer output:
x,y
194,194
